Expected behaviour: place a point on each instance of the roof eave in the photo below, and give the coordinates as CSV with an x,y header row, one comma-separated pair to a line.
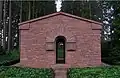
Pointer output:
x,y
60,13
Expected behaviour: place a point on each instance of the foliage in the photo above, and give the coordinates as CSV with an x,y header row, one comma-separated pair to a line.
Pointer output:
x,y
107,19
110,54
20,11
87,9
1,50
18,72
37,9
105,48
111,48
116,25
9,57
114,47
97,72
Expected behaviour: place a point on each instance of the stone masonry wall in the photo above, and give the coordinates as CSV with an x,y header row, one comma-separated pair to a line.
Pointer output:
x,y
37,42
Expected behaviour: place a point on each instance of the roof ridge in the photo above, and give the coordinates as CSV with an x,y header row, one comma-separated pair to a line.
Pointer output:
x,y
59,13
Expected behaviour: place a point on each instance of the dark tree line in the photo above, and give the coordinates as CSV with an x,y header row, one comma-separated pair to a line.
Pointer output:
x,y
107,12
87,9
13,12
34,9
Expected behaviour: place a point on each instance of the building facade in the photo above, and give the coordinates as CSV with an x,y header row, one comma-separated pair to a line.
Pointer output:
x,y
60,39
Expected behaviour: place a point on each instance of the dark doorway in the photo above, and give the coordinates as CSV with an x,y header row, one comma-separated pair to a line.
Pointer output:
x,y
60,50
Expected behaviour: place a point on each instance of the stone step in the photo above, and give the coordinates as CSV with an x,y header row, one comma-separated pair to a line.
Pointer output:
x,y
62,76
60,73
60,66
60,70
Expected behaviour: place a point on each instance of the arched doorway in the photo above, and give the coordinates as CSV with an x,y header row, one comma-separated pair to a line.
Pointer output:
x,y
60,50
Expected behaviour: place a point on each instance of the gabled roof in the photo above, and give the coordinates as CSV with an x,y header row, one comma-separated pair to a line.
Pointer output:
x,y
60,13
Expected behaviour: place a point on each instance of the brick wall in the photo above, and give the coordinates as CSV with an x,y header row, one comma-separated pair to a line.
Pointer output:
x,y
37,42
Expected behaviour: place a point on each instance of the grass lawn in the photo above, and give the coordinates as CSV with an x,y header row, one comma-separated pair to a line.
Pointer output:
x,y
18,72
96,72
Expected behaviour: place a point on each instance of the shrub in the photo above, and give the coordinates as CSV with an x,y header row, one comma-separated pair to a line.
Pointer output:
x,y
97,72
10,58
2,51
18,72
110,53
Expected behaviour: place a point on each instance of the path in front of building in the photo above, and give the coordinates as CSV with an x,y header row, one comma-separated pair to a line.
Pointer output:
x,y
60,71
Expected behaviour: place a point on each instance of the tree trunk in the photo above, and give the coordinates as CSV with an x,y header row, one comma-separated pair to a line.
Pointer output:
x,y
29,15
90,10
10,29
4,28
21,12
33,7
1,8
